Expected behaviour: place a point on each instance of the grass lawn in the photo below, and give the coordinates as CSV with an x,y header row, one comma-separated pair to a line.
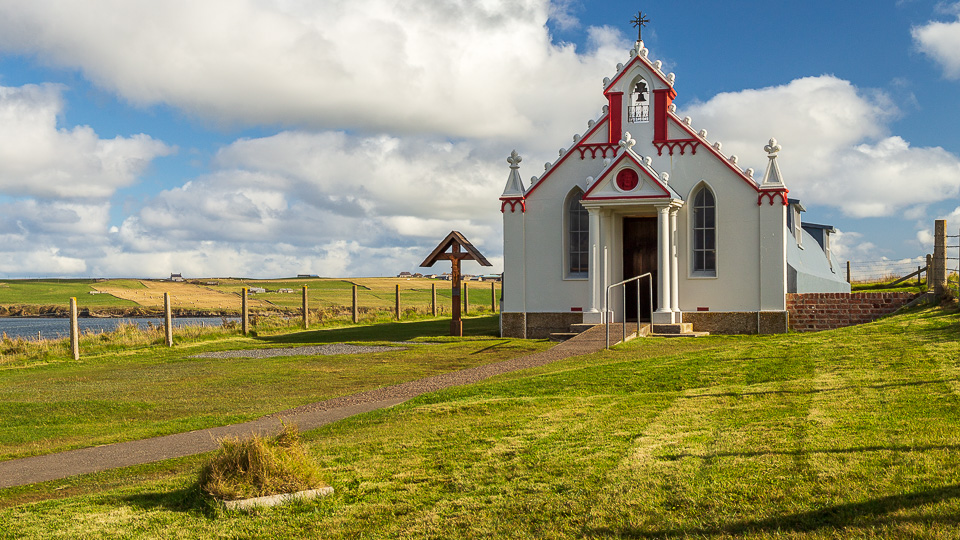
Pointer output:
x,y
116,394
846,433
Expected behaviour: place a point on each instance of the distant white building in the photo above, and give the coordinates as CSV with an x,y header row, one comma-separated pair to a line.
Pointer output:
x,y
643,191
176,277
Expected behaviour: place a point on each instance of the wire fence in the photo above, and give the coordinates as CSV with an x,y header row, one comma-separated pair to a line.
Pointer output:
x,y
884,270
887,270
953,264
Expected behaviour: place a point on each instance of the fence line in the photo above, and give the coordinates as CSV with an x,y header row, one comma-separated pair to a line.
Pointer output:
x,y
883,270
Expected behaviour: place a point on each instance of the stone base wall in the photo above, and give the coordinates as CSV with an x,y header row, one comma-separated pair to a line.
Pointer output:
x,y
537,325
811,312
737,322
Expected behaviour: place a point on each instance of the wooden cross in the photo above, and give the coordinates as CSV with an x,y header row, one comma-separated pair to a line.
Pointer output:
x,y
454,242
639,22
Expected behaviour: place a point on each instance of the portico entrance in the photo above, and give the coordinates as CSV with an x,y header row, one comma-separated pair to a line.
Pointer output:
x,y
639,257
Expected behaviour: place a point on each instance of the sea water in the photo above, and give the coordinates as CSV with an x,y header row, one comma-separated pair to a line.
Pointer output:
x,y
52,328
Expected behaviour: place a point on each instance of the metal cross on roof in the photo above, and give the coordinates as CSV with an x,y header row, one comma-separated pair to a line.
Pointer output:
x,y
639,22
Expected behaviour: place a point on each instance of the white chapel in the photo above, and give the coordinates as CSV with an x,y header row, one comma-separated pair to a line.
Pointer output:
x,y
641,192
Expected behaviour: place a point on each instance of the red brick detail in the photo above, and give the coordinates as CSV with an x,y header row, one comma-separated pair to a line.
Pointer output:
x,y
812,312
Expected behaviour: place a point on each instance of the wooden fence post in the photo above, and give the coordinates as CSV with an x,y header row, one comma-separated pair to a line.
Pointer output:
x,y
848,272
466,300
940,256
929,272
74,330
396,308
306,314
356,319
167,320
244,319
433,296
493,296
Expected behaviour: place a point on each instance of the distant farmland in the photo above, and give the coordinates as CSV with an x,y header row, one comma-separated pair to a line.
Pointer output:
x,y
222,296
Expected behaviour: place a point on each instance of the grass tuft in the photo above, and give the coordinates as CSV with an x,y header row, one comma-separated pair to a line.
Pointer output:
x,y
260,466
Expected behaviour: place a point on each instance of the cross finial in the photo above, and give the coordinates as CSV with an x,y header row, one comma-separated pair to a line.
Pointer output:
x,y
639,22
514,160
627,142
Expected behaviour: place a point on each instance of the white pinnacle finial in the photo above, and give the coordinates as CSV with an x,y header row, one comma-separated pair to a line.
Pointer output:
x,y
628,141
772,178
514,160
773,147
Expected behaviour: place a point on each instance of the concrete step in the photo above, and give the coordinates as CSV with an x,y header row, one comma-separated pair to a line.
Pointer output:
x,y
562,336
681,328
684,334
580,328
676,330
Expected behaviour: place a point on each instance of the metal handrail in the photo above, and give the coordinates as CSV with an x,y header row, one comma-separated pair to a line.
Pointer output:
x,y
606,306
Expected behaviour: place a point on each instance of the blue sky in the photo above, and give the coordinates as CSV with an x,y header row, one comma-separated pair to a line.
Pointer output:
x,y
271,138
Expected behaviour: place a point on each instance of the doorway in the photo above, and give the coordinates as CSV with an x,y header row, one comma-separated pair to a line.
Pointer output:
x,y
639,257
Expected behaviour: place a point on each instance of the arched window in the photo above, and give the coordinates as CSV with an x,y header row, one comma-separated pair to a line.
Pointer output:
x,y
639,108
704,233
578,236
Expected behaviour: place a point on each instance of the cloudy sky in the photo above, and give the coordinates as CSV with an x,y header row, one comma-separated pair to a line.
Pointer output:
x,y
267,138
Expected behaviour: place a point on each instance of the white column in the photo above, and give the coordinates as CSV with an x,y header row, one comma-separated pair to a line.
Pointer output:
x,y
664,314
594,315
674,268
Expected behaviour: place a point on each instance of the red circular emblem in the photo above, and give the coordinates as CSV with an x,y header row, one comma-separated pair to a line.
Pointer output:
x,y
627,179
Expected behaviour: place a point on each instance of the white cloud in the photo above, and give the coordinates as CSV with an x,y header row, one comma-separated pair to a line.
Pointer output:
x,y
39,159
836,146
941,41
278,198
458,67
41,262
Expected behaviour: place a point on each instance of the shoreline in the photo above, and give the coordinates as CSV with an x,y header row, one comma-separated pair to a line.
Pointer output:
x,y
63,312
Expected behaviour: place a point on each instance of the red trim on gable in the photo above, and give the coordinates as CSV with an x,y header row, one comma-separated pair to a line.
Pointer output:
x,y
639,167
590,132
513,205
665,197
629,65
673,144
772,194
661,104
603,148
716,153
616,116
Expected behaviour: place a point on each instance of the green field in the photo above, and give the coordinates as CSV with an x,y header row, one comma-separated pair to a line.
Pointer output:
x,y
851,433
44,292
328,297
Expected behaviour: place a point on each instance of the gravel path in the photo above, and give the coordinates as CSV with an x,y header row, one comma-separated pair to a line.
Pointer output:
x,y
311,350
31,470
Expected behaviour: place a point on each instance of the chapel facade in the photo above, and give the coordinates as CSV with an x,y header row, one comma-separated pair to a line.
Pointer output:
x,y
642,192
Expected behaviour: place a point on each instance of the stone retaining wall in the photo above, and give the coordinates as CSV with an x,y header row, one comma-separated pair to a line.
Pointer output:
x,y
812,312
537,325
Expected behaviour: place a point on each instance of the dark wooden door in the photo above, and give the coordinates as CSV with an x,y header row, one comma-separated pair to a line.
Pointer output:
x,y
640,257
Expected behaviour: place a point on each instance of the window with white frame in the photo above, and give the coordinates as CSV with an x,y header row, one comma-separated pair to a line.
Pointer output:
x,y
704,233
578,236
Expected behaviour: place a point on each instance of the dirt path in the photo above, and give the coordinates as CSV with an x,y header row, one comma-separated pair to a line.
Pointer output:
x,y
35,469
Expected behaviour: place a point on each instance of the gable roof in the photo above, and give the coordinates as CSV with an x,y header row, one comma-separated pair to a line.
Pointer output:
x,y
639,55
582,142
651,187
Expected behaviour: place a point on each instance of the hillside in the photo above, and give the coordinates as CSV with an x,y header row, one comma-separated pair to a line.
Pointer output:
x,y
221,296
847,433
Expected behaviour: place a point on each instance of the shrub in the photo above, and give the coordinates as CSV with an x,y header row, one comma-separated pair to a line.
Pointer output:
x,y
260,466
